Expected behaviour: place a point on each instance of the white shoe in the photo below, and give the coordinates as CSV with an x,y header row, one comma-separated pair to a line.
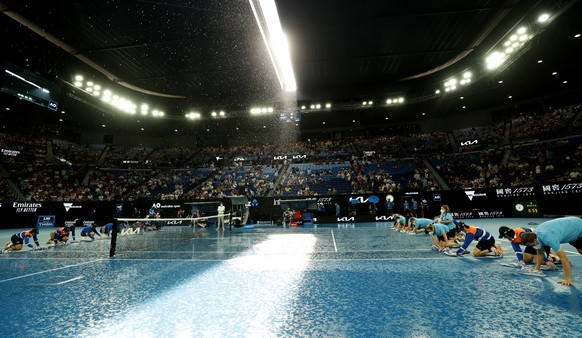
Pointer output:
x,y
435,248
412,233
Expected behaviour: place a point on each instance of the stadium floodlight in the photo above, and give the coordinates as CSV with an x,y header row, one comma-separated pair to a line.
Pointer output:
x,y
389,101
78,77
328,105
213,114
438,91
543,18
495,59
400,100
275,41
221,113
318,106
577,35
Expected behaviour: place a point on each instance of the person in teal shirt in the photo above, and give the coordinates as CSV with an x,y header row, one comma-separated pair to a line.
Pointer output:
x,y
550,235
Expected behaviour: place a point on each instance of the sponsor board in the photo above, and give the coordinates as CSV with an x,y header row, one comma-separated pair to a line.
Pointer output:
x,y
26,206
515,192
562,188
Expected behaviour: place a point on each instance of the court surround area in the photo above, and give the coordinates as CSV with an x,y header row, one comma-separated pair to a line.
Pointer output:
x,y
333,280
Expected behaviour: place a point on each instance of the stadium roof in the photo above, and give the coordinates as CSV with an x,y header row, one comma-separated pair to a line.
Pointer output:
x,y
201,56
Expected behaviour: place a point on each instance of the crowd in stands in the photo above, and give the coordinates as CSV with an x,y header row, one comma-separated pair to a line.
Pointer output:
x,y
505,155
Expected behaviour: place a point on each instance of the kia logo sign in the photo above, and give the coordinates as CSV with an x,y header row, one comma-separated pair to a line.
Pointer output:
x,y
469,143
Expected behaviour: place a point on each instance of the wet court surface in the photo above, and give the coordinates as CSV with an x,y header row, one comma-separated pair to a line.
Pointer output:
x,y
349,280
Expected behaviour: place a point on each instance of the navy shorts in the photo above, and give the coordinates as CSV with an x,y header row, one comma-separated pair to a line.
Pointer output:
x,y
16,240
486,244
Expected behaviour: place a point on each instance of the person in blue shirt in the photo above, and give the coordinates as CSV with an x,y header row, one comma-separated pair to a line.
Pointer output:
x,y
416,225
439,236
550,235
90,231
22,238
414,208
399,222
389,207
106,229
406,208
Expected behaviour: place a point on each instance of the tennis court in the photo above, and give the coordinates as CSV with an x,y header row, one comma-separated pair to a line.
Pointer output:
x,y
335,280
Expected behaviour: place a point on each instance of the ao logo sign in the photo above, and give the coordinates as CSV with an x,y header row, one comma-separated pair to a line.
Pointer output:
x,y
469,143
372,199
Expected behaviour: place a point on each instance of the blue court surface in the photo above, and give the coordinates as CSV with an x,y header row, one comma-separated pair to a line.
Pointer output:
x,y
335,280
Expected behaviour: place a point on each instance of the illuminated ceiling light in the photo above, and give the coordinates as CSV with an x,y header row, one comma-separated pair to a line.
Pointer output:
x,y
78,78
318,106
389,101
78,84
438,91
103,125
364,103
370,103
543,18
221,113
276,42
555,73
462,98
513,37
521,30
213,114
90,84
495,59
577,35
400,100
500,81
464,107
328,105
540,61
302,107
507,43
510,97
323,122
467,75
523,38
270,110
353,121
565,81
509,50
312,106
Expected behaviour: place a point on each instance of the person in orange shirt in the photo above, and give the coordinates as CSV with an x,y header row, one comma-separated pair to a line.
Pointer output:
x,y
485,242
18,240
529,253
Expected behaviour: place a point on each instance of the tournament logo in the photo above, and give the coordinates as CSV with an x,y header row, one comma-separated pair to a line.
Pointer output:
x,y
471,194
71,206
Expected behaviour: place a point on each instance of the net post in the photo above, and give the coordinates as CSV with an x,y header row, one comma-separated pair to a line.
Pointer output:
x,y
113,238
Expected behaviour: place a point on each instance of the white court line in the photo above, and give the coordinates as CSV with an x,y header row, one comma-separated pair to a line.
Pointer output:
x,y
51,270
333,238
69,280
